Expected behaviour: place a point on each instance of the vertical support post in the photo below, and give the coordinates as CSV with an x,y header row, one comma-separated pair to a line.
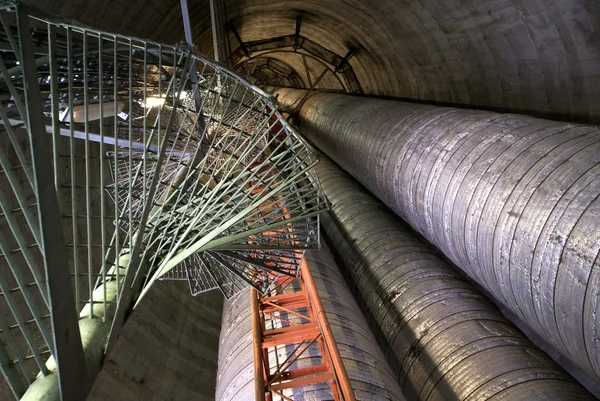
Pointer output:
x,y
214,21
259,378
218,21
73,379
187,28
297,35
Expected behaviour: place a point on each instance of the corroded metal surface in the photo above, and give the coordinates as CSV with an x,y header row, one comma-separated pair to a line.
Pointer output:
x,y
443,339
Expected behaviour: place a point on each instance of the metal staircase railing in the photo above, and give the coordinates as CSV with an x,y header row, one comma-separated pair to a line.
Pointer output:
x,y
125,161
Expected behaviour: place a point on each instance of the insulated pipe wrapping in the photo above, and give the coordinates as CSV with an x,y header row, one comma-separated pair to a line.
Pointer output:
x,y
235,369
443,339
511,200
369,373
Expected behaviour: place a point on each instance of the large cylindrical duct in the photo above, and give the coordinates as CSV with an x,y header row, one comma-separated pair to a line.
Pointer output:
x,y
512,200
443,339
369,374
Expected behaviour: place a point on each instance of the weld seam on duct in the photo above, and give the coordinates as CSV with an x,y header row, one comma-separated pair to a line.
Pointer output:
x,y
443,339
511,200
369,373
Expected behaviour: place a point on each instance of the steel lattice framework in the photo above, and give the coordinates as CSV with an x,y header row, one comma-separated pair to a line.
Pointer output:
x,y
290,324
125,161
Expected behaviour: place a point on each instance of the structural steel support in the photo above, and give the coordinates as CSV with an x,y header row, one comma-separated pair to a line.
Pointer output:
x,y
240,41
218,21
332,349
187,25
343,63
94,213
297,35
259,374
187,28
291,316
307,71
261,60
73,379
294,43
370,376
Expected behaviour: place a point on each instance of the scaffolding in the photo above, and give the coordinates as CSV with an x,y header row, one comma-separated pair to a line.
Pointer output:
x,y
123,162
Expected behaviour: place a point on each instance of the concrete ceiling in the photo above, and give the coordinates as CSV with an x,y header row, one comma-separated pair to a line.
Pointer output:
x,y
539,57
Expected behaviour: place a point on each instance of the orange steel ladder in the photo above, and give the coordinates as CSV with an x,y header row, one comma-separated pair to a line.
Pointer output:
x,y
290,320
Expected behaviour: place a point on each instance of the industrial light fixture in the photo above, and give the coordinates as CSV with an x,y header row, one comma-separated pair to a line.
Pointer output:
x,y
157,101
153,101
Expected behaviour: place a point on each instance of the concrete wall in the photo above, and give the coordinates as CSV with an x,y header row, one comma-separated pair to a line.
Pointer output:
x,y
529,56
167,350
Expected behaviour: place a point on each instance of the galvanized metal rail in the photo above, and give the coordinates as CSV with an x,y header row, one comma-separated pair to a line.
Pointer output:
x,y
287,323
124,160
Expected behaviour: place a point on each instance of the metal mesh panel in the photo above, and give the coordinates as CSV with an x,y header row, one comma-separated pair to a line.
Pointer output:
x,y
123,161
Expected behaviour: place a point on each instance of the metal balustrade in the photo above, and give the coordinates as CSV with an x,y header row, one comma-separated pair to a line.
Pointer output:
x,y
125,161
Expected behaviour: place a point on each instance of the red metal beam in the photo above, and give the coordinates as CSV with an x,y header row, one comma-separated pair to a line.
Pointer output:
x,y
259,379
332,348
293,316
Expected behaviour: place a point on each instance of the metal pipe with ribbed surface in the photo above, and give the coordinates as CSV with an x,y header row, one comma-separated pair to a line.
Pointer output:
x,y
443,339
369,374
511,200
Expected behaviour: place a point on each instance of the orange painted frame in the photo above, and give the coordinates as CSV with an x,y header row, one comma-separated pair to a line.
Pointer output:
x,y
312,328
